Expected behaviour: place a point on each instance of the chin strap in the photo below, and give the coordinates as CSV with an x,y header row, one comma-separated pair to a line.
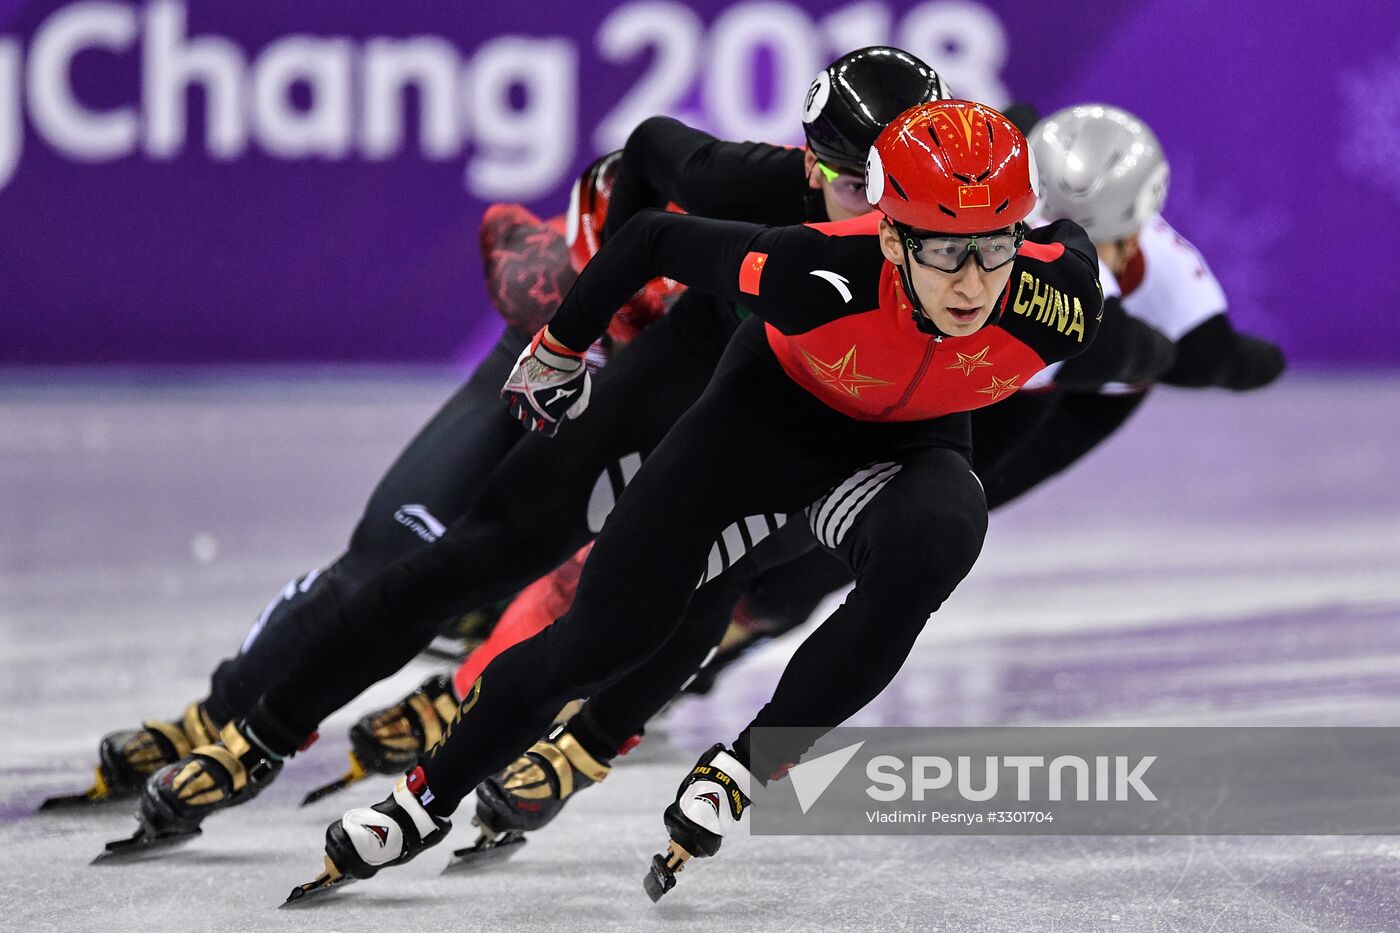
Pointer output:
x,y
921,320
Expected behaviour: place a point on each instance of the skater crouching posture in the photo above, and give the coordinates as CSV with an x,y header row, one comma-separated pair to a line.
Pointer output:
x,y
529,266
1097,164
848,362
548,496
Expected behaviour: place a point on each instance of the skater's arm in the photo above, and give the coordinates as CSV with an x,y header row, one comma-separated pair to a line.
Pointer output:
x,y
1215,354
1054,302
1126,350
770,271
666,161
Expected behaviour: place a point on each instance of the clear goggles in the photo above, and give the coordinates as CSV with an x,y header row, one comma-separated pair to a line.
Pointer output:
x,y
846,187
948,253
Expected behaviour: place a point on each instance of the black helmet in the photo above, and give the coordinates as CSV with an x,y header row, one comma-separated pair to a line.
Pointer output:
x,y
853,98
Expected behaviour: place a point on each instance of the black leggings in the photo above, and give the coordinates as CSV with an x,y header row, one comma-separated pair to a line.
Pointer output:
x,y
434,481
754,445
1019,443
543,501
1030,438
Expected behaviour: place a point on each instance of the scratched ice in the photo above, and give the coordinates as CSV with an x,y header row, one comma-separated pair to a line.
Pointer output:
x,y
1225,560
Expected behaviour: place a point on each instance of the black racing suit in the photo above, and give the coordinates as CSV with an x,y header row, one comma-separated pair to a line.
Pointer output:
x,y
441,473
549,496
436,478
757,444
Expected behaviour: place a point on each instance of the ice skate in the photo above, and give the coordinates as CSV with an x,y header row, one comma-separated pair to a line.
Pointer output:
x,y
392,740
365,840
526,796
128,757
710,803
177,798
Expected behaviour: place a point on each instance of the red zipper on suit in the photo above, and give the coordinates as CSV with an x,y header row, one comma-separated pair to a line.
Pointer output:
x,y
933,343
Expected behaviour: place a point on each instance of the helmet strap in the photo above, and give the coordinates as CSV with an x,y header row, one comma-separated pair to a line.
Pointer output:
x,y
921,320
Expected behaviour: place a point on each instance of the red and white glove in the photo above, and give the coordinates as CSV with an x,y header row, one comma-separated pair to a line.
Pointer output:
x,y
549,385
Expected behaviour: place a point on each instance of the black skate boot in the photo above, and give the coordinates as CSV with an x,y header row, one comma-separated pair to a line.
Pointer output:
x,y
710,803
392,740
177,798
127,758
527,795
365,840
462,635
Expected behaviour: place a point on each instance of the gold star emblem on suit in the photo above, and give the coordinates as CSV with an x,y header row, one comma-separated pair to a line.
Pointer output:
x,y
842,374
967,362
1000,387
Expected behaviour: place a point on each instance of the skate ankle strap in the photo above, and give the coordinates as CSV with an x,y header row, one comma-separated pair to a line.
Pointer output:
x,y
564,755
179,742
433,715
579,757
230,761
255,761
199,727
725,768
412,795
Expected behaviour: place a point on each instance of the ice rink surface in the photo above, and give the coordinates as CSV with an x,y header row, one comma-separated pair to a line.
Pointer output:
x,y
1224,560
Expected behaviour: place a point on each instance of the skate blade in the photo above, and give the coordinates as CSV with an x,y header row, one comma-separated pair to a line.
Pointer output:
x,y
661,876
143,843
99,793
356,774
484,853
329,880
84,801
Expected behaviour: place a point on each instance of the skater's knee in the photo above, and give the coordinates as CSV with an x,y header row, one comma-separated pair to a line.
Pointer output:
x,y
928,547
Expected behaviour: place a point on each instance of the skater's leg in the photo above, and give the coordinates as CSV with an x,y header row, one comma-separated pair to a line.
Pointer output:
x,y
435,480
666,534
1069,425
622,709
543,501
910,546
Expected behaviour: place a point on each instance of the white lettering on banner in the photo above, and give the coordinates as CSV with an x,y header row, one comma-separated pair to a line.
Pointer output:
x,y
857,25
68,125
511,106
11,119
429,65
675,34
735,39
324,127
171,62
965,42
532,147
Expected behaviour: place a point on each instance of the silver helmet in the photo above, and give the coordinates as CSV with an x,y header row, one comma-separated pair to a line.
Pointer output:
x,y
1101,167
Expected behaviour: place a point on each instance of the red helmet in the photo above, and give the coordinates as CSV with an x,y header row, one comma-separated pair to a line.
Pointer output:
x,y
951,166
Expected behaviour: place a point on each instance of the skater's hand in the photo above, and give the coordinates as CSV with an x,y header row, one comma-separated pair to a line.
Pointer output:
x,y
548,385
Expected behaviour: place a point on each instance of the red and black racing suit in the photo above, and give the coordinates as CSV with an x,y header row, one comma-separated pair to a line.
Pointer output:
x,y
822,386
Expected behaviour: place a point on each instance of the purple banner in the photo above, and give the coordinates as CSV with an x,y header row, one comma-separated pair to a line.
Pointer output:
x,y
187,182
